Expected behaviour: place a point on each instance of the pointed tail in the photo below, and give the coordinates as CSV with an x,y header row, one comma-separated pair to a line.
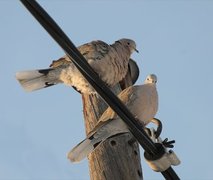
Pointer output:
x,y
102,131
81,151
36,79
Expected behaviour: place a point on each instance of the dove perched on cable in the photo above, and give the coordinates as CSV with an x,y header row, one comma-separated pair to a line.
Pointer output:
x,y
141,100
110,62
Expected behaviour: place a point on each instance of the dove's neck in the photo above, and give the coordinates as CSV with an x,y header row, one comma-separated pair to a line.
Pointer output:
x,y
120,56
149,83
121,49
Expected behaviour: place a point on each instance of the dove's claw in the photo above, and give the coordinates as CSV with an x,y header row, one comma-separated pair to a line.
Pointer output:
x,y
159,125
168,144
148,131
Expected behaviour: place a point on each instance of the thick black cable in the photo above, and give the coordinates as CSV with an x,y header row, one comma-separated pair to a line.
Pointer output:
x,y
47,22
84,67
72,52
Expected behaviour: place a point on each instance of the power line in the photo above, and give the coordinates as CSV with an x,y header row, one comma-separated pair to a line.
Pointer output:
x,y
72,52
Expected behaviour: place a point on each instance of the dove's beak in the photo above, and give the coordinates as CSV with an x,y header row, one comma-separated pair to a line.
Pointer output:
x,y
136,50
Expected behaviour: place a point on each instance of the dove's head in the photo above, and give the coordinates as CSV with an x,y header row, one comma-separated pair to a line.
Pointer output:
x,y
129,44
151,79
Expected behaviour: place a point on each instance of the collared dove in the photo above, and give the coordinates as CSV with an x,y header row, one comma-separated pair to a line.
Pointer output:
x,y
110,62
141,100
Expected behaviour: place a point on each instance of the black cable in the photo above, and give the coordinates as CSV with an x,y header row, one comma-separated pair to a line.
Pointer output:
x,y
72,52
47,22
85,69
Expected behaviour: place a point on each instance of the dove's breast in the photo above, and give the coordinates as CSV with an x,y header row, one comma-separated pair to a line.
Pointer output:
x,y
145,103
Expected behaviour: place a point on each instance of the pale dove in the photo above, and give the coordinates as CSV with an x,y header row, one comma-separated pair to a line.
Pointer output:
x,y
110,62
141,100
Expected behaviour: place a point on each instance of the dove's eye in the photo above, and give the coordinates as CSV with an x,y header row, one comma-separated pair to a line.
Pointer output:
x,y
128,43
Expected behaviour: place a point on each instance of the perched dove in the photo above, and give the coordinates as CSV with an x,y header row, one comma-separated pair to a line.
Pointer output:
x,y
141,100
109,61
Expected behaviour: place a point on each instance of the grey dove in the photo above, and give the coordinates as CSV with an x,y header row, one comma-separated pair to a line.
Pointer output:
x,y
141,100
110,62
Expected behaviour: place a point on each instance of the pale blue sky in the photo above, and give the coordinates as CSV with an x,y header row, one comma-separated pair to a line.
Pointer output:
x,y
175,40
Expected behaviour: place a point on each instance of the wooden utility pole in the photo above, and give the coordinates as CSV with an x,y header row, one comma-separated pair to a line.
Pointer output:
x,y
117,158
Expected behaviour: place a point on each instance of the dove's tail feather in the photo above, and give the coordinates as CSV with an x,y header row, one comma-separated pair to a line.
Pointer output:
x,y
103,131
84,148
35,79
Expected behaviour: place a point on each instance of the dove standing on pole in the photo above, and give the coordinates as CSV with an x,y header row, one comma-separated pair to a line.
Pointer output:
x,y
141,100
110,62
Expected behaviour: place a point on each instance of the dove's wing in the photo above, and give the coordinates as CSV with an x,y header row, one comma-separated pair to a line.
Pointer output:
x,y
94,50
126,96
64,61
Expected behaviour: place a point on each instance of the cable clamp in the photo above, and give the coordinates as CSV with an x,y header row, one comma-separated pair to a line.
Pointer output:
x,y
166,157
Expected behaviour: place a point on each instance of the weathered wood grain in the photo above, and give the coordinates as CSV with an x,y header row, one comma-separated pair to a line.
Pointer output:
x,y
116,158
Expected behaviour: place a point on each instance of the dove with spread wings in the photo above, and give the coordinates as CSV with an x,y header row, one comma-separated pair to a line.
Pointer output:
x,y
110,62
